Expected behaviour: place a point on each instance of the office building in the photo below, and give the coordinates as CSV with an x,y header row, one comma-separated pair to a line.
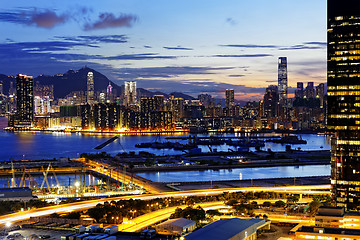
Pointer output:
x,y
271,99
109,94
24,101
130,93
229,98
320,93
283,88
299,91
309,90
344,100
90,94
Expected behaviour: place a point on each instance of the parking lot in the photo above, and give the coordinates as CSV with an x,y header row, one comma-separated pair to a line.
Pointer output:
x,y
34,234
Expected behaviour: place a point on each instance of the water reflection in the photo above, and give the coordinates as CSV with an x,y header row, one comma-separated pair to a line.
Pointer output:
x,y
239,173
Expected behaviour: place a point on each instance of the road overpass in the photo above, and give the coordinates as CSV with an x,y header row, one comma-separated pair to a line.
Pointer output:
x,y
19,216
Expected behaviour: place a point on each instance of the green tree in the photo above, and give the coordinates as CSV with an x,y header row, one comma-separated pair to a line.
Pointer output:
x,y
266,204
280,203
97,212
313,207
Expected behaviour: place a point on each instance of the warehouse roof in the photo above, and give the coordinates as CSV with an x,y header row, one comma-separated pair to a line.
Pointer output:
x,y
180,222
226,229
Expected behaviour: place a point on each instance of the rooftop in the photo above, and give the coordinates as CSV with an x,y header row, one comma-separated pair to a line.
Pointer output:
x,y
180,222
225,229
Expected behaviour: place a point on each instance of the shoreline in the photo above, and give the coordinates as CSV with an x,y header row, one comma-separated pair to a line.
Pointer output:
x,y
265,182
244,165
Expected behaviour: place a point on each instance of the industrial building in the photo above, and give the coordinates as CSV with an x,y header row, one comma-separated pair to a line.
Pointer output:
x,y
13,194
176,226
230,229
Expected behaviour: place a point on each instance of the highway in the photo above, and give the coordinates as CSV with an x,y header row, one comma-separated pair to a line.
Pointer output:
x,y
19,216
149,219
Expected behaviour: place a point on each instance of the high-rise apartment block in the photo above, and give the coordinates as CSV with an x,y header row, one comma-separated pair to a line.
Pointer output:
x,y
282,80
90,93
130,93
271,99
229,98
283,88
343,81
299,91
24,100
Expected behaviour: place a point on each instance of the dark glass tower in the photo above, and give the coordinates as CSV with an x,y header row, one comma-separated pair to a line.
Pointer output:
x,y
344,100
24,100
283,88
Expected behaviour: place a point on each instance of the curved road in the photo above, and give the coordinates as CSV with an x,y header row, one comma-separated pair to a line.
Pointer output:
x,y
19,216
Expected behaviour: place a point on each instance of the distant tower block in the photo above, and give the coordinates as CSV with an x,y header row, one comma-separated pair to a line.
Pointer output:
x,y
229,98
283,88
24,100
130,93
90,88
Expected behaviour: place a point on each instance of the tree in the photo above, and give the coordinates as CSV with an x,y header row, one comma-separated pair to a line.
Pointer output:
x,y
292,199
97,212
266,204
313,207
280,203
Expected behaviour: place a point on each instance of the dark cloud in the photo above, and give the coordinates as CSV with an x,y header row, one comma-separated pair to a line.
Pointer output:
x,y
147,46
306,45
48,18
140,56
236,75
178,48
249,46
97,39
40,18
242,55
109,20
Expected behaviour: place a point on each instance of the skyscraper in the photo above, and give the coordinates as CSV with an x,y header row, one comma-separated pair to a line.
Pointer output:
x,y
271,98
90,88
130,93
229,98
282,88
299,91
24,100
344,100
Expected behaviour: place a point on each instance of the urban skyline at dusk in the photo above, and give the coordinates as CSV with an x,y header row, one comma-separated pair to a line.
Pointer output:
x,y
201,47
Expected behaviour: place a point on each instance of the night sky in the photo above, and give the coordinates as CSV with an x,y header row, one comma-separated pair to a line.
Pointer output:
x,y
192,46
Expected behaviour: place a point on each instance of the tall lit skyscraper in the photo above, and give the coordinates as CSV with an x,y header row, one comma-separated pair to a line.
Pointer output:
x,y
282,79
130,93
90,88
24,100
282,88
229,98
344,100
271,99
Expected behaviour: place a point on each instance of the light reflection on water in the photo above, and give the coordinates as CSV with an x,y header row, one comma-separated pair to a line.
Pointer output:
x,y
48,145
237,173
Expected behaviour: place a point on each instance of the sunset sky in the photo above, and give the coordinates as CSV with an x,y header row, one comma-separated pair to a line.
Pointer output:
x,y
191,46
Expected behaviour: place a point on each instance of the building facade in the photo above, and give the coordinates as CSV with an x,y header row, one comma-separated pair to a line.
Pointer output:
x,y
24,100
344,100
229,98
90,94
130,93
283,88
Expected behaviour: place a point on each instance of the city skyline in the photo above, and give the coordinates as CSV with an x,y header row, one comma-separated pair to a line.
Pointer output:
x,y
194,48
